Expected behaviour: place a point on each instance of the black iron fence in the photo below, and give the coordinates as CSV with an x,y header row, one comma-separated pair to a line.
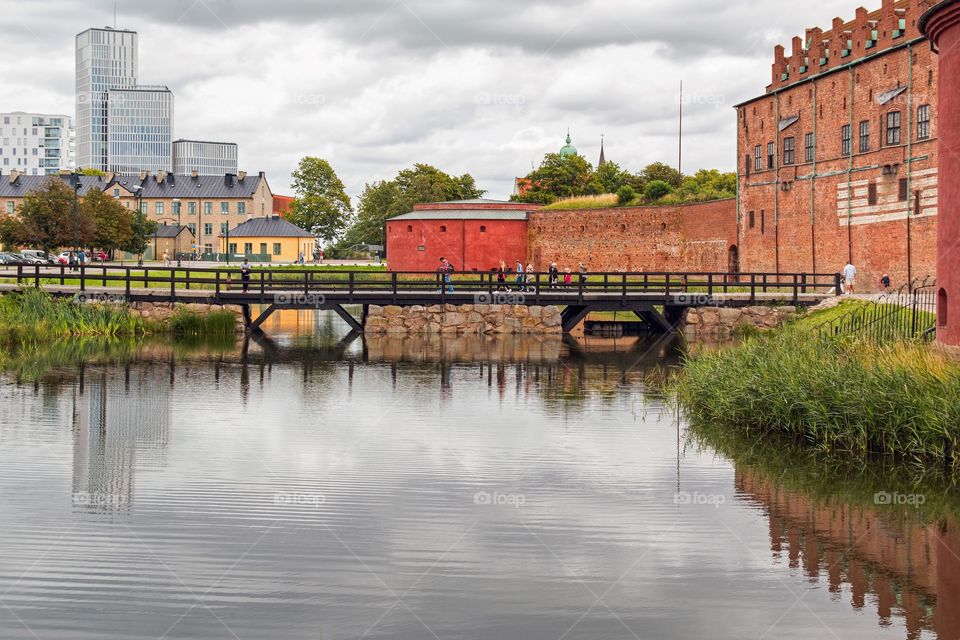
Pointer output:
x,y
908,313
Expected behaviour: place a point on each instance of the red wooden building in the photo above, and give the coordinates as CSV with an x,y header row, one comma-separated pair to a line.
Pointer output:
x,y
474,235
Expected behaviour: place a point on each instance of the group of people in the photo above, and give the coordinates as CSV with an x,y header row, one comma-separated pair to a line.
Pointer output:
x,y
850,280
526,277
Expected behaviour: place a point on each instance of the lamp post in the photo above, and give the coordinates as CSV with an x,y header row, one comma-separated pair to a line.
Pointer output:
x,y
138,194
76,215
176,241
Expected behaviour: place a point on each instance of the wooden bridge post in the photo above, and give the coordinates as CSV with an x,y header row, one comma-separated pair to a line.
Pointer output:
x,y
216,285
36,276
796,290
127,282
83,278
63,275
753,287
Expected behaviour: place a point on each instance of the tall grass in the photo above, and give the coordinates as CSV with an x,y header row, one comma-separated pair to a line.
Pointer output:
x,y
848,395
217,324
33,315
605,201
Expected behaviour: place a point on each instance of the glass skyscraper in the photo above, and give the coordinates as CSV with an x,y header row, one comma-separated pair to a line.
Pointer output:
x,y
206,158
106,59
139,130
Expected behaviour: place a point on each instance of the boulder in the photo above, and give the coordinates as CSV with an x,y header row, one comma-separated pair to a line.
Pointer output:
x,y
392,311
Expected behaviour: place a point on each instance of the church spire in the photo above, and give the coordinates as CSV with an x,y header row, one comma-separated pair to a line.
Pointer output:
x,y
603,158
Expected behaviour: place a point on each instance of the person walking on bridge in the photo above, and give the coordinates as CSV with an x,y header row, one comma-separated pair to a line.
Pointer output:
x,y
245,269
850,278
520,279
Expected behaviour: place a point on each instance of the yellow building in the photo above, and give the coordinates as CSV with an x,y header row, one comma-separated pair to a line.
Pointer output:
x,y
269,239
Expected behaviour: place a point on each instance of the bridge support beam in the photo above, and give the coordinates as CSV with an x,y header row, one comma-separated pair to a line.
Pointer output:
x,y
253,326
355,325
657,322
573,315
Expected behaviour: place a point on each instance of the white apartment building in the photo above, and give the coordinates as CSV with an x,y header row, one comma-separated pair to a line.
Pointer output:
x,y
105,59
140,130
205,158
35,144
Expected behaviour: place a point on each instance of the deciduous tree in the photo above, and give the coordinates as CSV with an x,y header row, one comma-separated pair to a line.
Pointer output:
x,y
322,205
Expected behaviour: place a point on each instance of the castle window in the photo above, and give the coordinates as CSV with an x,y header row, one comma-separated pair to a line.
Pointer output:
x,y
893,128
846,147
789,155
864,136
747,165
763,222
753,220
409,228
771,155
902,194
872,194
443,228
483,229
808,147
758,158
923,122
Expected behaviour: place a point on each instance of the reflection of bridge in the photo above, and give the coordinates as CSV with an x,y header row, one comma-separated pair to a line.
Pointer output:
x,y
913,570
658,299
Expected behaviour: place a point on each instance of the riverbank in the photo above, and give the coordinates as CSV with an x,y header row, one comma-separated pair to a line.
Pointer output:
x,y
837,394
33,316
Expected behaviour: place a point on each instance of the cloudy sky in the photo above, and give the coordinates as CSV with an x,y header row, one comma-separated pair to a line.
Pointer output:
x,y
479,86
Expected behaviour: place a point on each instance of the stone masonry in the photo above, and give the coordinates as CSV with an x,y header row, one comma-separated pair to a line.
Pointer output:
x,y
723,322
463,319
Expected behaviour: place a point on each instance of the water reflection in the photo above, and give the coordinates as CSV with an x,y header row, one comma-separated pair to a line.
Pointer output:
x,y
301,482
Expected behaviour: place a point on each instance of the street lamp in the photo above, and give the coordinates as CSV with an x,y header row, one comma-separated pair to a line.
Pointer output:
x,y
138,194
75,178
176,241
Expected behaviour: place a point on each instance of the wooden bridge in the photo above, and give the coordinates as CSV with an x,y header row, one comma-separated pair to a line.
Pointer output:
x,y
658,299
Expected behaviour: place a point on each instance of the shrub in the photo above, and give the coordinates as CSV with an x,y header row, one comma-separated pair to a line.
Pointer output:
x,y
625,195
656,189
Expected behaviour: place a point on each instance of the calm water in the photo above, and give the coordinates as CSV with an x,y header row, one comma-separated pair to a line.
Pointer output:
x,y
305,488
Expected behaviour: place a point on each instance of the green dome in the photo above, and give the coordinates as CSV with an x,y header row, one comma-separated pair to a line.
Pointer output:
x,y
568,149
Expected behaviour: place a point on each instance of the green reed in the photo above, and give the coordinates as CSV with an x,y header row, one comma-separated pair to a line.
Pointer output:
x,y
33,315
833,394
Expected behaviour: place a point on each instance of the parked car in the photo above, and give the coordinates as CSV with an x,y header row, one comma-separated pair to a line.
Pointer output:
x,y
64,258
42,255
29,258
12,258
99,256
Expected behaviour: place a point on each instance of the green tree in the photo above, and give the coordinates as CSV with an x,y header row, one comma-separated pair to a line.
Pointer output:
x,y
655,190
48,218
705,185
113,223
11,232
557,177
663,172
90,171
608,178
386,199
141,231
322,205
625,195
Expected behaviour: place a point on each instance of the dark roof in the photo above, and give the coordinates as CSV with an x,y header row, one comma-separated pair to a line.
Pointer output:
x,y
185,187
272,227
170,231
27,184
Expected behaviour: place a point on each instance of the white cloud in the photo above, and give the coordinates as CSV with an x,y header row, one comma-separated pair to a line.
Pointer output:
x,y
485,87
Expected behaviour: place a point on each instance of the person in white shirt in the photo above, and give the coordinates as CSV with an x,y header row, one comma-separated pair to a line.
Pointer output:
x,y
849,278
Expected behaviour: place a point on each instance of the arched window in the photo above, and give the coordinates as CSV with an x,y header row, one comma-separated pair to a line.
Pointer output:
x,y
409,228
582,228
443,228
483,228
942,309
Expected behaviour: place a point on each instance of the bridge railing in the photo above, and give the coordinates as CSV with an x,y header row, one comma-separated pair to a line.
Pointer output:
x,y
699,287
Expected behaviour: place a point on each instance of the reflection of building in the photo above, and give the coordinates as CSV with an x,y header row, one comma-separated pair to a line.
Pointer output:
x,y
908,567
118,424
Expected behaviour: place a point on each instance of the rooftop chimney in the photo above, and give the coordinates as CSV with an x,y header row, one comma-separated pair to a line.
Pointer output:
x,y
143,175
161,176
228,179
14,175
194,174
241,176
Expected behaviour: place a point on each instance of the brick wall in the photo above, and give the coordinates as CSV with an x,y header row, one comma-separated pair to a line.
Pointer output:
x,y
671,238
470,245
875,206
